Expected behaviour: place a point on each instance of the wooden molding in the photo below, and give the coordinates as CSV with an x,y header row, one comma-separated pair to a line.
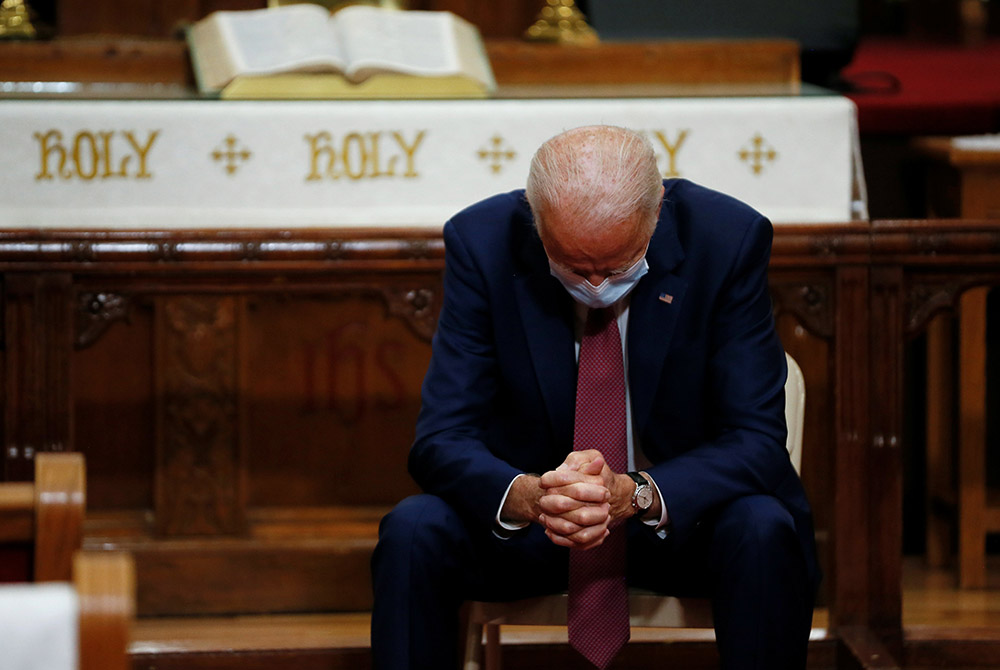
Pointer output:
x,y
137,60
664,62
225,250
97,59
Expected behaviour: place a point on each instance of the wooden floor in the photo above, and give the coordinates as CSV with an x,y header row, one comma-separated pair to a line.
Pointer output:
x,y
933,608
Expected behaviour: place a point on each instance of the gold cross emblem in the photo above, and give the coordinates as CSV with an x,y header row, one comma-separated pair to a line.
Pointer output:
x,y
231,155
497,154
759,152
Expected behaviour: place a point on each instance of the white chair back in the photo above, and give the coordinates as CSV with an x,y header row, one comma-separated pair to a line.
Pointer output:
x,y
795,404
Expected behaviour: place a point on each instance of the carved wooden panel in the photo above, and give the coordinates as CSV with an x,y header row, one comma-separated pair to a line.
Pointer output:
x,y
809,299
95,312
884,485
929,295
213,374
333,392
814,356
37,369
114,408
199,478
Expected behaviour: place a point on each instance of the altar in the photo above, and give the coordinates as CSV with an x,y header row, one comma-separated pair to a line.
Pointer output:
x,y
194,163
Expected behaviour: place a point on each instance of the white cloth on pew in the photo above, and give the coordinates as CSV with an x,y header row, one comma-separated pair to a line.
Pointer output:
x,y
39,626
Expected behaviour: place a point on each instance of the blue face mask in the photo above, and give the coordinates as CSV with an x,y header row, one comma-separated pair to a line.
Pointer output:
x,y
610,291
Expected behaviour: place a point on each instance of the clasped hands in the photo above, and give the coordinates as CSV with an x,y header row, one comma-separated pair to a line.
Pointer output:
x,y
576,503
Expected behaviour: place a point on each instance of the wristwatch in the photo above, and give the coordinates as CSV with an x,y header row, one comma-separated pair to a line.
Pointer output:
x,y
642,497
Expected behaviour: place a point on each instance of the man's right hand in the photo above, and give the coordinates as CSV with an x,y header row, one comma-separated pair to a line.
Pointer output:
x,y
570,502
576,503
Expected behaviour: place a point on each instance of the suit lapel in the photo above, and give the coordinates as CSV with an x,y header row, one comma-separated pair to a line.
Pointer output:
x,y
654,307
547,314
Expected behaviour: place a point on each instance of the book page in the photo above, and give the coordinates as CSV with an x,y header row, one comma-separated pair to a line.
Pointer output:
x,y
412,42
295,37
211,56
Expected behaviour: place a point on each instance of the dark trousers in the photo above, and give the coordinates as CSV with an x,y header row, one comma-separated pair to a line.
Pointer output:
x,y
747,559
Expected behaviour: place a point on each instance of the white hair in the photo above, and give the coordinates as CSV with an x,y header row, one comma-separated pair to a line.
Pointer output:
x,y
596,176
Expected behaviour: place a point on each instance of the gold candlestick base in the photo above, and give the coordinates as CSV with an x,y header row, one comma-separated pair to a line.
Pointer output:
x,y
562,22
15,20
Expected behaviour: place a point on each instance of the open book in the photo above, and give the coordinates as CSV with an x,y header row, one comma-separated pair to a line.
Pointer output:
x,y
303,51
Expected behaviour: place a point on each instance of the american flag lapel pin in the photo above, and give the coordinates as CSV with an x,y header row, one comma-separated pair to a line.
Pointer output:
x,y
666,297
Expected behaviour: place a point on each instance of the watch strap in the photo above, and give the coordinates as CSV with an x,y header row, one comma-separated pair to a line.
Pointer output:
x,y
640,482
638,479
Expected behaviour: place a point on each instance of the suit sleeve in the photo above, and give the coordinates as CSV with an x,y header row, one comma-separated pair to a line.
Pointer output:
x,y
745,449
450,457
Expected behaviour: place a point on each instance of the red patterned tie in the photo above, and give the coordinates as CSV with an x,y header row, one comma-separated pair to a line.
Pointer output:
x,y
598,598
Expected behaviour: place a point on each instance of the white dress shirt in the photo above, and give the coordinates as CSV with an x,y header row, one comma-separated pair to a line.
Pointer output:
x,y
636,459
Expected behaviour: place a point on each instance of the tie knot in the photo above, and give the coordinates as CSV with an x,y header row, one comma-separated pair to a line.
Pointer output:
x,y
597,319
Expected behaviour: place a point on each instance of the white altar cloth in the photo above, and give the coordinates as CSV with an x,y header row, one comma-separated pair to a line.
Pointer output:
x,y
209,163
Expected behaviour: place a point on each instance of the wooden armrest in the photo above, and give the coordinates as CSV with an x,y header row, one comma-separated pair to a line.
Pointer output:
x,y
105,584
47,513
60,502
17,512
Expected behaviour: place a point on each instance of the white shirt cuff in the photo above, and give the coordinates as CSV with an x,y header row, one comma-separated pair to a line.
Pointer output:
x,y
659,524
504,524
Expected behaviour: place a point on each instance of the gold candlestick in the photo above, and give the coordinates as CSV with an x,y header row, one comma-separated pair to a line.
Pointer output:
x,y
15,20
561,21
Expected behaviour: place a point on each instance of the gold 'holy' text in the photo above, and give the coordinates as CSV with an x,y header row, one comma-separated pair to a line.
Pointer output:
x,y
672,146
364,155
101,154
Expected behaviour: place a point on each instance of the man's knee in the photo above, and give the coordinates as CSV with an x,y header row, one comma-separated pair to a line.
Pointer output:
x,y
763,602
421,526
756,524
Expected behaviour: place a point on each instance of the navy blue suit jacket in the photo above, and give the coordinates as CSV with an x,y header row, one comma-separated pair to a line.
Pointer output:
x,y
706,369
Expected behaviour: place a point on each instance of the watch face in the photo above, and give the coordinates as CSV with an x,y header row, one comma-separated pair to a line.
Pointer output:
x,y
644,498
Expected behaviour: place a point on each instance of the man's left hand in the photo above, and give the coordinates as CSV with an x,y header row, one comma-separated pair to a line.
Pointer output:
x,y
582,498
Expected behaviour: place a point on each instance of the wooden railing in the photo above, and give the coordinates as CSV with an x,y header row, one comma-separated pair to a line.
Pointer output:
x,y
233,390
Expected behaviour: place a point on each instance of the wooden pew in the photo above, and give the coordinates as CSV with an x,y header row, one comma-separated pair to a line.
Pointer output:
x,y
105,585
48,513
83,625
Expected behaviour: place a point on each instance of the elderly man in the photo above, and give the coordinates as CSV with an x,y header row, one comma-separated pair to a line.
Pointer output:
x,y
604,406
